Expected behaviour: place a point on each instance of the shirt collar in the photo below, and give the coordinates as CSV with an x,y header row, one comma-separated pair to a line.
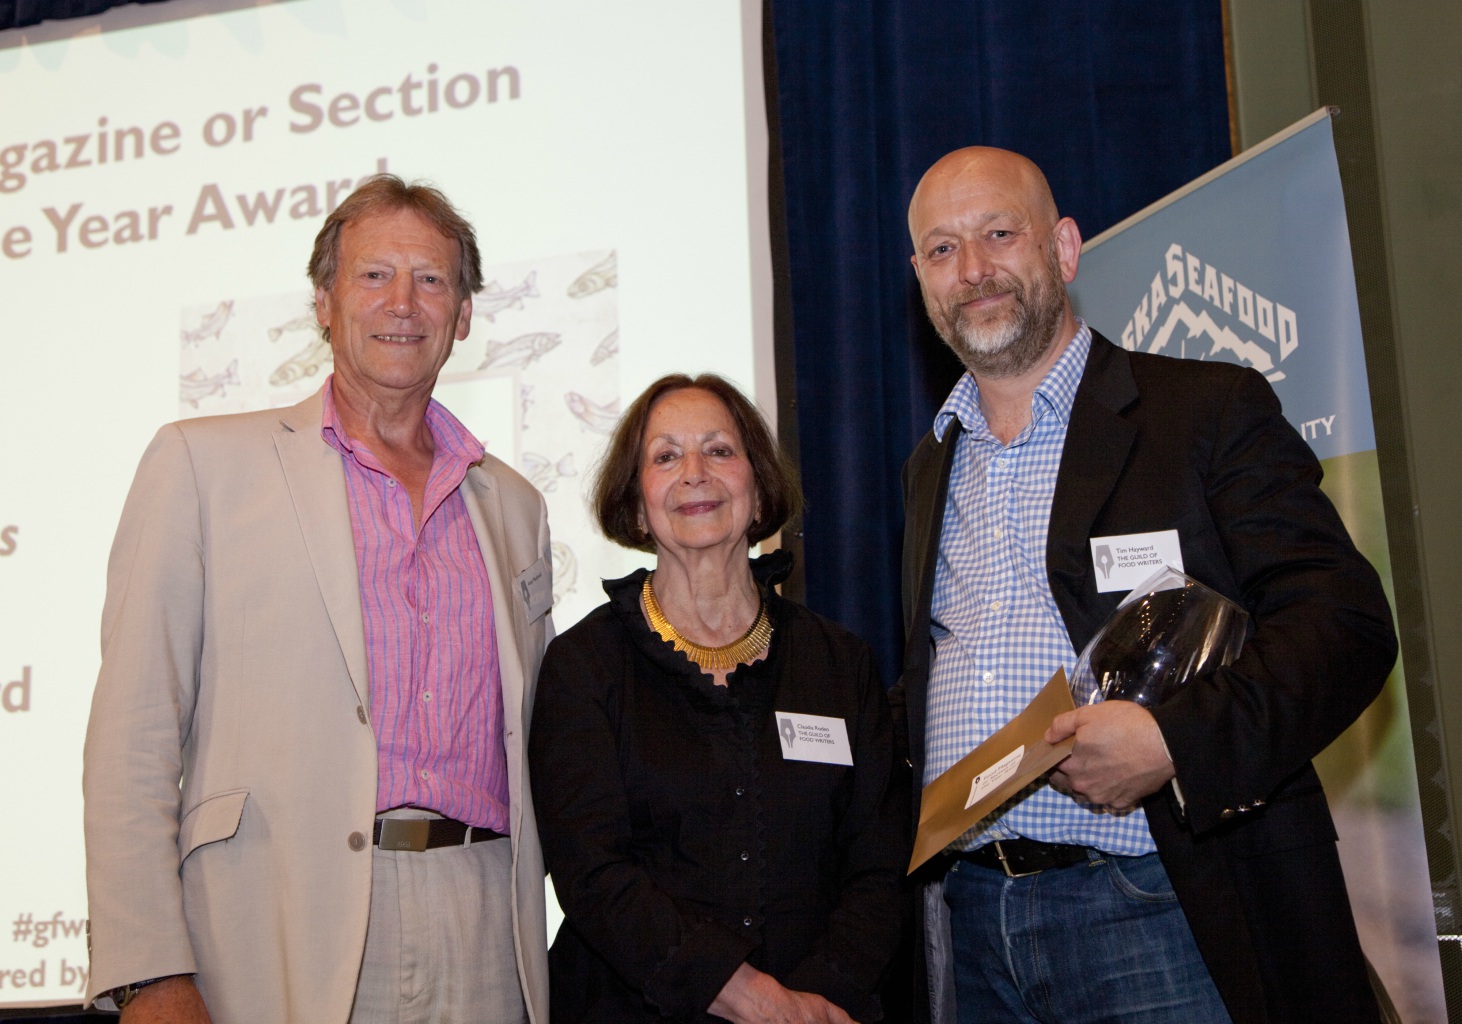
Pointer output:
x,y
453,439
1055,392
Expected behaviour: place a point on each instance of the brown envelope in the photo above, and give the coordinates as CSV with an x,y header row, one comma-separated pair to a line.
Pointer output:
x,y
993,772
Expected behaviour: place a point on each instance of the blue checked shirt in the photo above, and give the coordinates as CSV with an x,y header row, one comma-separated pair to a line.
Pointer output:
x,y
998,635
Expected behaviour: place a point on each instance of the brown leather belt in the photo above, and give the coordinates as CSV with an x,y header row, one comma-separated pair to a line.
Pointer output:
x,y
417,834
1019,857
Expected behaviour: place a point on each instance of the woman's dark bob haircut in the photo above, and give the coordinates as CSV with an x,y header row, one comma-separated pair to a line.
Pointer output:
x,y
617,496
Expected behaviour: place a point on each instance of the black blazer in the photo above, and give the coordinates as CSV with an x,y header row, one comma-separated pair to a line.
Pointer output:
x,y
1156,443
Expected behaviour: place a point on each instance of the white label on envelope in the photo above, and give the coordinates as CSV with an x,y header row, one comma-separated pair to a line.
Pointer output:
x,y
535,587
994,775
813,738
1129,560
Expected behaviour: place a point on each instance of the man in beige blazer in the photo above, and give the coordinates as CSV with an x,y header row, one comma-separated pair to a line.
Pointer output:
x,y
231,766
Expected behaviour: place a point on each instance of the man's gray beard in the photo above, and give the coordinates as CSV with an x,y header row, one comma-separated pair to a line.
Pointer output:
x,y
1010,348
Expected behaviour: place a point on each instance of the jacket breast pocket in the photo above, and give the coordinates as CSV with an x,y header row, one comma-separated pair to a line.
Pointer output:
x,y
213,819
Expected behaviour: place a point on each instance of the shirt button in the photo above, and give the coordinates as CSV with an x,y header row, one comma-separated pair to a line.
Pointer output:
x,y
999,532
1002,462
426,697
360,713
390,482
988,677
740,790
356,841
746,921
995,606
425,617
424,774
745,855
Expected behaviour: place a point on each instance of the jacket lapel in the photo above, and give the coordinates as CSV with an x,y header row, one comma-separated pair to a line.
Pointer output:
x,y
1098,441
316,482
484,508
926,489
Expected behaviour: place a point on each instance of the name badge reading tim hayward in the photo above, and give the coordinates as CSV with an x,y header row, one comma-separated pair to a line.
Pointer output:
x,y
1129,560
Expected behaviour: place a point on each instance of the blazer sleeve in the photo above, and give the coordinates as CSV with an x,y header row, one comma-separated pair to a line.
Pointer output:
x,y
152,637
1321,641
679,961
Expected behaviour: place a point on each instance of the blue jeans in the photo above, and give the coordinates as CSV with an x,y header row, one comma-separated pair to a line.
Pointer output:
x,y
1103,941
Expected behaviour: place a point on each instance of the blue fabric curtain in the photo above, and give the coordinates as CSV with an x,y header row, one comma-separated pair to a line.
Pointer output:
x,y
24,13
1118,101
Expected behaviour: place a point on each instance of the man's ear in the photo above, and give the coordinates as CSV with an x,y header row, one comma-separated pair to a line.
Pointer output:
x,y
464,318
322,308
1068,247
914,259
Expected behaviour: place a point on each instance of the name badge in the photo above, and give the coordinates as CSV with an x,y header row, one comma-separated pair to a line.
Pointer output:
x,y
1127,561
535,587
813,738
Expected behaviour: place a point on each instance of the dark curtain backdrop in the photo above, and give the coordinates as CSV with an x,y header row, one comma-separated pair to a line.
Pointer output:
x,y
24,13
1118,101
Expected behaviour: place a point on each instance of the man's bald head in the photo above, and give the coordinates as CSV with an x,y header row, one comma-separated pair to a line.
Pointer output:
x,y
979,174
993,259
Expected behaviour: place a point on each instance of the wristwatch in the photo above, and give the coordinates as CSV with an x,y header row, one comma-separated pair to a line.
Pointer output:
x,y
126,993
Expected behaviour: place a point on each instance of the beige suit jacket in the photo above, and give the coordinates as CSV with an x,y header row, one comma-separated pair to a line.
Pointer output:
x,y
230,766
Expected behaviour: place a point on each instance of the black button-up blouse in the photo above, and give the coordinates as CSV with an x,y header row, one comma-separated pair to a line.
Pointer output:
x,y
680,840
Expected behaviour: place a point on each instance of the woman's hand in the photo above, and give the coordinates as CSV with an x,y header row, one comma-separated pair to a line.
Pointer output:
x,y
751,997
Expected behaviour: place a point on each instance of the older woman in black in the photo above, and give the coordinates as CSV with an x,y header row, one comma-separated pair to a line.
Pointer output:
x,y
711,763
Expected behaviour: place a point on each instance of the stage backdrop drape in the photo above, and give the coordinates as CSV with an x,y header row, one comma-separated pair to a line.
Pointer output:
x,y
1119,102
24,13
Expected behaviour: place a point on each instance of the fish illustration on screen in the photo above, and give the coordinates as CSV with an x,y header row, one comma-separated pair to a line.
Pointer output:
x,y
212,324
606,348
196,385
520,352
545,474
303,322
494,298
304,363
598,418
565,569
604,274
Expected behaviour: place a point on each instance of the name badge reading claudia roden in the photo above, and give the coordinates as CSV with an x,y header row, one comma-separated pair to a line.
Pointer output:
x,y
1128,560
813,738
535,587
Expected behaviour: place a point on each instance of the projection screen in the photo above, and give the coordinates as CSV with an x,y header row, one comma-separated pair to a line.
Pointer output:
x,y
163,171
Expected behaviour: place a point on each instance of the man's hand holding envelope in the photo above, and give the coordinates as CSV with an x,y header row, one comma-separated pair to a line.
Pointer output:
x,y
1109,751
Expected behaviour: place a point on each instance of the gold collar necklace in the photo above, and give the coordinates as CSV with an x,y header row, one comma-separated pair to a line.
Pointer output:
x,y
711,659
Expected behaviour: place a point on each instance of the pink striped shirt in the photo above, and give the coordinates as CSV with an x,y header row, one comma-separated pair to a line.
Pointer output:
x,y
426,603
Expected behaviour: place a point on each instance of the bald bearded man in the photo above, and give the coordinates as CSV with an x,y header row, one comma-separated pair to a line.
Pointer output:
x,y
1180,864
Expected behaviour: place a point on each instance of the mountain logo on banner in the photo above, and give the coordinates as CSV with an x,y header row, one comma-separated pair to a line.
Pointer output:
x,y
1194,310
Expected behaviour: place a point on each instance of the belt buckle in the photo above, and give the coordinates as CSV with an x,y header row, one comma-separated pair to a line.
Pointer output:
x,y
999,852
404,834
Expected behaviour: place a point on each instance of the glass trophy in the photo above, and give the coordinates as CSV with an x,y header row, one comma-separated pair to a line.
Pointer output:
x,y
1165,633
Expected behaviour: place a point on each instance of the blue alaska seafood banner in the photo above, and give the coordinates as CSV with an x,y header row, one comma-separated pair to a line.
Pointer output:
x,y
1251,264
